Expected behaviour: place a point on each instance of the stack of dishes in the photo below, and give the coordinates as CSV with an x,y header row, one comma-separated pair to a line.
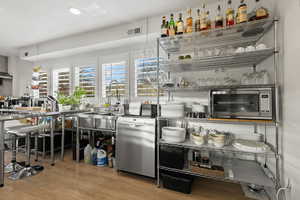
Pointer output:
x,y
254,137
198,108
251,146
173,134
172,110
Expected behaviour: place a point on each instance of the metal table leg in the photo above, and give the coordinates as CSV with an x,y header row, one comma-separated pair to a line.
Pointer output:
x,y
36,138
44,147
77,142
62,137
28,149
90,136
1,153
52,141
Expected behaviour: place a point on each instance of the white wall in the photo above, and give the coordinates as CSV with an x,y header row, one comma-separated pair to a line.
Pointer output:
x,y
289,31
21,71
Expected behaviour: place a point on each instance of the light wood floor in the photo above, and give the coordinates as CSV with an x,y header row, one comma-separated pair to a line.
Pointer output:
x,y
70,181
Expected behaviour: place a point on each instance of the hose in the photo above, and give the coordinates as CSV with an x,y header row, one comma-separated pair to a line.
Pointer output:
x,y
288,187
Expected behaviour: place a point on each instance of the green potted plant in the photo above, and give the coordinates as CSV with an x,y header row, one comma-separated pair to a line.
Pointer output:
x,y
64,103
67,102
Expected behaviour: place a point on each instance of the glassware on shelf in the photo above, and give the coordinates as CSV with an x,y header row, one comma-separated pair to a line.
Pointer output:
x,y
266,77
209,52
260,47
230,50
210,81
249,48
245,79
217,52
252,79
260,78
240,50
202,82
201,53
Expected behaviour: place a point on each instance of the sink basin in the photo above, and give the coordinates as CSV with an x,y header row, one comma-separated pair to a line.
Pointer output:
x,y
86,121
98,121
96,113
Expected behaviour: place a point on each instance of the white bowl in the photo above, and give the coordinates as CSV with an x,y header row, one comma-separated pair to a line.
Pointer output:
x,y
261,47
240,50
250,48
199,140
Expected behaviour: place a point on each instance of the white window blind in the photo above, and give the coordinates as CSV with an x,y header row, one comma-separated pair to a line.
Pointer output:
x,y
146,77
85,77
61,82
114,79
43,84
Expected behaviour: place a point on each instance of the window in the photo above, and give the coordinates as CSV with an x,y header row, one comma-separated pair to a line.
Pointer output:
x,y
85,77
61,82
114,79
43,84
146,77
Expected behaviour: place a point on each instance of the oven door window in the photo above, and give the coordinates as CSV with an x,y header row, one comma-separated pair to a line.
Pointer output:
x,y
236,104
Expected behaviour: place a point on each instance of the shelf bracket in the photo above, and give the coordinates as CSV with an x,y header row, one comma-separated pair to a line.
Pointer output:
x,y
254,68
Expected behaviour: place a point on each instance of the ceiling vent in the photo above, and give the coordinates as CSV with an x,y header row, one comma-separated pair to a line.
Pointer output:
x,y
134,31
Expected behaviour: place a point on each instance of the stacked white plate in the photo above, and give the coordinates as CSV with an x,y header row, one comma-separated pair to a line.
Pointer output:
x,y
172,110
198,108
135,108
173,134
254,137
251,146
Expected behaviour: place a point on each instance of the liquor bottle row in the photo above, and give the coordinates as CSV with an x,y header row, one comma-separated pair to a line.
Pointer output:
x,y
203,20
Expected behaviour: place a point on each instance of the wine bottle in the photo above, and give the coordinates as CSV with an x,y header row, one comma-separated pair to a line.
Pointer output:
x,y
164,27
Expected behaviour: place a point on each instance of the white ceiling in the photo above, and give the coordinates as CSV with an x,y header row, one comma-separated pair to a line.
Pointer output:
x,y
27,22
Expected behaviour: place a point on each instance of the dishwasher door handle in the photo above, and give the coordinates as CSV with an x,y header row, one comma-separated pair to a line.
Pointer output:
x,y
133,125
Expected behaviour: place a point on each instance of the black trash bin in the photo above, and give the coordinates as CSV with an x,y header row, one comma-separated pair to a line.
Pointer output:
x,y
177,181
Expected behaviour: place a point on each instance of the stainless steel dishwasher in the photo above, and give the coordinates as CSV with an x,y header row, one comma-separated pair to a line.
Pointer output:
x,y
135,145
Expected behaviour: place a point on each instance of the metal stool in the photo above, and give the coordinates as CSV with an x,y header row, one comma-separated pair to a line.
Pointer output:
x,y
13,166
25,132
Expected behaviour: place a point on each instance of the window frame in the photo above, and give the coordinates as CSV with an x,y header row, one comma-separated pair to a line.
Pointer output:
x,y
61,69
114,59
48,83
75,78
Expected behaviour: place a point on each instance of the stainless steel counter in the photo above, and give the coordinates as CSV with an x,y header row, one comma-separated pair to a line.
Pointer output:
x,y
10,114
94,121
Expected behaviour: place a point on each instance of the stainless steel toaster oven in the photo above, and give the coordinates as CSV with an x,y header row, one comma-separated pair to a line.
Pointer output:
x,y
242,103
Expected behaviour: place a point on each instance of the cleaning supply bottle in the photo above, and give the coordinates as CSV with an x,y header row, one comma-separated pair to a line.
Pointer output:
x,y
101,158
87,154
94,156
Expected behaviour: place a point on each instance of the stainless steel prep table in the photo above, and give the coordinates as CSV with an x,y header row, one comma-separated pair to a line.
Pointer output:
x,y
93,127
17,115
